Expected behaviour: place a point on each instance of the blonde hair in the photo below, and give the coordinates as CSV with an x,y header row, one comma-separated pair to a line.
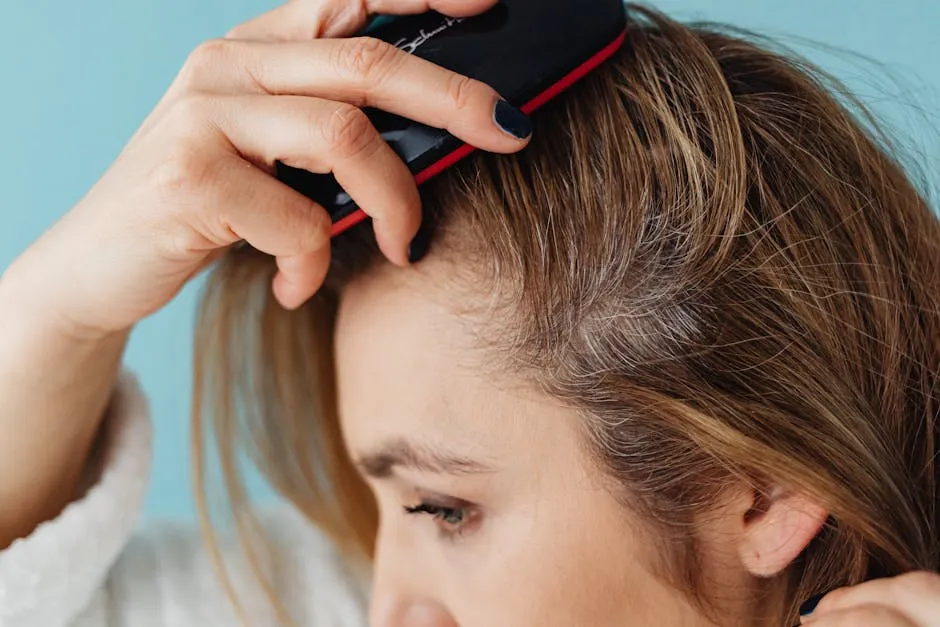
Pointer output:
x,y
710,252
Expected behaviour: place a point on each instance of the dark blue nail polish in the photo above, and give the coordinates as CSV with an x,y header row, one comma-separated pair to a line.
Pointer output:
x,y
419,245
512,120
809,606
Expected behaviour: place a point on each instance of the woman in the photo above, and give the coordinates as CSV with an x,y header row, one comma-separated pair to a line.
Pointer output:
x,y
676,363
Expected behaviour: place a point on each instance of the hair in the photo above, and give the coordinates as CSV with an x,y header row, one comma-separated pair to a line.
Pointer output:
x,y
710,251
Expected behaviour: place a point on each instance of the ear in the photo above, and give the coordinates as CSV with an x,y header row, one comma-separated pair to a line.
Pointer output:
x,y
776,528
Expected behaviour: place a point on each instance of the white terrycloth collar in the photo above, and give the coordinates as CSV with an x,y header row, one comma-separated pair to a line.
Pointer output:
x,y
49,577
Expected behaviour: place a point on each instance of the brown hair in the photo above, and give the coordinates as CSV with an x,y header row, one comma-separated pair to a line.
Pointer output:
x,y
709,250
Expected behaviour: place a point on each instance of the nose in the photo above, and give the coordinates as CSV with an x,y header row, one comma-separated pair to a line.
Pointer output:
x,y
402,595
396,611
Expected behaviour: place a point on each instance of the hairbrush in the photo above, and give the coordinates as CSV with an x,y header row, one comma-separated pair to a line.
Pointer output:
x,y
529,51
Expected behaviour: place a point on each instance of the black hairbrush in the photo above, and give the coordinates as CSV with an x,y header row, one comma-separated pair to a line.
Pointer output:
x,y
527,50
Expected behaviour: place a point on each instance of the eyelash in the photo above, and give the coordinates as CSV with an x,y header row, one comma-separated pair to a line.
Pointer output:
x,y
451,520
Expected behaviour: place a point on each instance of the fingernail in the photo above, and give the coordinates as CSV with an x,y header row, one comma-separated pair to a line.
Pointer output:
x,y
809,606
419,245
512,120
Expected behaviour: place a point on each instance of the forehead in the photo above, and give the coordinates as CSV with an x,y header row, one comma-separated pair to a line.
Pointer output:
x,y
409,366
404,316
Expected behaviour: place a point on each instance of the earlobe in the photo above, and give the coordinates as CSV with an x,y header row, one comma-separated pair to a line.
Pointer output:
x,y
777,529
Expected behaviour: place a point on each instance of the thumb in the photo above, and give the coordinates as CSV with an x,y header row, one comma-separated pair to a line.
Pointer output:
x,y
300,20
453,8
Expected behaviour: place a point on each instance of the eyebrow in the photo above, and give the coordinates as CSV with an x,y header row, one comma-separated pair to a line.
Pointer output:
x,y
399,453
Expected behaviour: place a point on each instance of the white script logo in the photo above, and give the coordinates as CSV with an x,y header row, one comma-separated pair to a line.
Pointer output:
x,y
410,46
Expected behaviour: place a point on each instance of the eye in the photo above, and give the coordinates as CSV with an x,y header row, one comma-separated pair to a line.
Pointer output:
x,y
453,521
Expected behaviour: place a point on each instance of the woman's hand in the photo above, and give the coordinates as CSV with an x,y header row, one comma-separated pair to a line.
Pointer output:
x,y
196,178
198,175
911,600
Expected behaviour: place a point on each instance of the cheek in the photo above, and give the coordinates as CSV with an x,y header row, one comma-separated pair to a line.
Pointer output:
x,y
551,567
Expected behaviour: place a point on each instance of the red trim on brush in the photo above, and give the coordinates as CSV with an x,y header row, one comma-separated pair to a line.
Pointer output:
x,y
466,150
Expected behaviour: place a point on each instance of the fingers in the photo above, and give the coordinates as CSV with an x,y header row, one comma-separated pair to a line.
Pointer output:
x,y
242,202
368,72
314,120
453,8
300,20
300,276
863,616
324,136
363,72
915,596
278,221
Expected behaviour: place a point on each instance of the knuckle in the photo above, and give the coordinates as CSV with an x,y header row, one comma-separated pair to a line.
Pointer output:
x,y
178,172
361,58
832,598
209,57
349,132
316,228
210,52
237,32
869,616
179,241
191,114
194,219
184,175
305,230
461,90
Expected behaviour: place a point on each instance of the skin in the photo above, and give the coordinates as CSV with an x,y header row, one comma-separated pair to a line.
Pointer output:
x,y
909,600
193,180
520,526
544,524
550,547
530,531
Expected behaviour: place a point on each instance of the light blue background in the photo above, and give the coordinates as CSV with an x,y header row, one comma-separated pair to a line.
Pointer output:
x,y
78,77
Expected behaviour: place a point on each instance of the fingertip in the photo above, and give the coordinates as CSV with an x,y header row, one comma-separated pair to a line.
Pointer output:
x,y
496,126
397,223
825,601
462,8
420,244
286,293
300,276
513,122
395,239
453,8
396,249
809,607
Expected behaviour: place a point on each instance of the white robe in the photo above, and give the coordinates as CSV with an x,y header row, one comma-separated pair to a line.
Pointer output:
x,y
90,567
